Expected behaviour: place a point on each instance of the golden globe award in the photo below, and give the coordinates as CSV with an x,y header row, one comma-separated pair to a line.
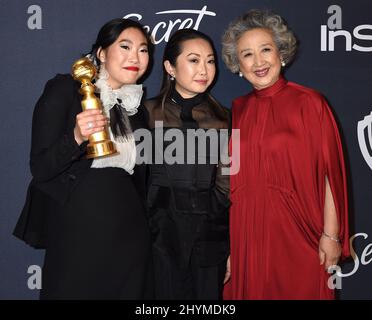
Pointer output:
x,y
83,70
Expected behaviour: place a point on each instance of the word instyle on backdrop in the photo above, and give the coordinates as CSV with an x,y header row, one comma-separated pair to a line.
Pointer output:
x,y
333,29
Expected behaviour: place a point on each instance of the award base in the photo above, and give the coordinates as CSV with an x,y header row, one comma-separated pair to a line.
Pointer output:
x,y
100,149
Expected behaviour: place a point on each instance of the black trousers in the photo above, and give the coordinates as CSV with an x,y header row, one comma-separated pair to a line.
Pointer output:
x,y
99,244
186,282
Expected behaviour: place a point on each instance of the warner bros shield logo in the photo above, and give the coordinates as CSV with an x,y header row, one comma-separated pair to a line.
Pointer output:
x,y
365,138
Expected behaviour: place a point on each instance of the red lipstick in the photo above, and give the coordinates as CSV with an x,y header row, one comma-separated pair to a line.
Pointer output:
x,y
132,68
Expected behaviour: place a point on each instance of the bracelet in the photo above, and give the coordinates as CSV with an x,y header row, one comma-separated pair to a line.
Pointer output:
x,y
330,237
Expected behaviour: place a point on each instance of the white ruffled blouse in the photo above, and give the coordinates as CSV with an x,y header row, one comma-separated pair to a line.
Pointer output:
x,y
130,97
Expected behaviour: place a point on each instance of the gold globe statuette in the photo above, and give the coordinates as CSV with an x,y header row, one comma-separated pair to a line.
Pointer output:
x,y
83,70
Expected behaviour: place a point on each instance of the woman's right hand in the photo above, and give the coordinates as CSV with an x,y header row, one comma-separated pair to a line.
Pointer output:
x,y
87,123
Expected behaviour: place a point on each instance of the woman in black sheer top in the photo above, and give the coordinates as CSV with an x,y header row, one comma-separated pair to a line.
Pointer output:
x,y
188,188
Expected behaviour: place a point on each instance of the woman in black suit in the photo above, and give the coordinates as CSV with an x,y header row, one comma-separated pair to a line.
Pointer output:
x,y
89,214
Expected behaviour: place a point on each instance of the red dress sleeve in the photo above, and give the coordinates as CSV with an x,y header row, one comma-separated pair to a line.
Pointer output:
x,y
334,169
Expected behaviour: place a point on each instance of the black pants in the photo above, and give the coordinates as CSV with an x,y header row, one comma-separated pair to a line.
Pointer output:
x,y
187,282
99,244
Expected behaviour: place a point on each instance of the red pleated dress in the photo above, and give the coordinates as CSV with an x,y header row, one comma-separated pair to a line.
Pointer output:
x,y
289,144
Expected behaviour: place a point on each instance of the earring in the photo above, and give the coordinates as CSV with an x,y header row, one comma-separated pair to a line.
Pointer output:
x,y
240,74
171,77
283,63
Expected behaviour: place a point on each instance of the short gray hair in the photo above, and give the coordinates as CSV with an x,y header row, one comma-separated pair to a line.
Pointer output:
x,y
283,37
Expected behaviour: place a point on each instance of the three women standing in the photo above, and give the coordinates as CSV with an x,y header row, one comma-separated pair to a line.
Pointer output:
x,y
288,220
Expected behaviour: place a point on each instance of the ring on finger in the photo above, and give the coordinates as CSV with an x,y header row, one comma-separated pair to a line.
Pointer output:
x,y
90,125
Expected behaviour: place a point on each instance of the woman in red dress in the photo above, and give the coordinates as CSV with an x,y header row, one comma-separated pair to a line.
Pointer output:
x,y
288,219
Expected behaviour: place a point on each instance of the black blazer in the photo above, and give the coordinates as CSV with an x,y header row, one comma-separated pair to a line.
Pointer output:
x,y
57,162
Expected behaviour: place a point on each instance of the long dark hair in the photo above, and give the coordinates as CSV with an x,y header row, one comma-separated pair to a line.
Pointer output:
x,y
171,52
107,35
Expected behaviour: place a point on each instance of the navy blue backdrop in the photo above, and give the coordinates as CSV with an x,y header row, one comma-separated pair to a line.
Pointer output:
x,y
41,38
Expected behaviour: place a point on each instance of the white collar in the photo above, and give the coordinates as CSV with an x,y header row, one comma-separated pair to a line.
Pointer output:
x,y
129,94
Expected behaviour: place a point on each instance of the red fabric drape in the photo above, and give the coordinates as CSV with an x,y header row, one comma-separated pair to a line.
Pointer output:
x,y
289,143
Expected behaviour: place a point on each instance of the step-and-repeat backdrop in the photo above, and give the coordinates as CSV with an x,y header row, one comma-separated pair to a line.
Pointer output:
x,y
41,38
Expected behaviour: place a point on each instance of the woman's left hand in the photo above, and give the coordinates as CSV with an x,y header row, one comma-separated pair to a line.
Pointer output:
x,y
228,271
329,252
